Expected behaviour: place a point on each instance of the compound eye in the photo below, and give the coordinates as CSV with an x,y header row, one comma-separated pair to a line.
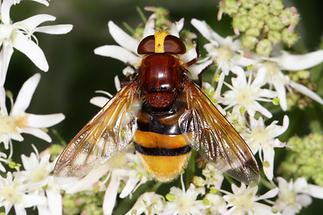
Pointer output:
x,y
174,45
147,45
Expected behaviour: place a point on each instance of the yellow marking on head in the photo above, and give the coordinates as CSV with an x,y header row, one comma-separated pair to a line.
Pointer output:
x,y
159,41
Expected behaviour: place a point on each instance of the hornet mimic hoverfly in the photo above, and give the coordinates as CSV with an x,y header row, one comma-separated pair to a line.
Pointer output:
x,y
165,115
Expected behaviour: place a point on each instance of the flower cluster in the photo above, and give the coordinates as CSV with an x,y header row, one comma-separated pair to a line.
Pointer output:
x,y
262,24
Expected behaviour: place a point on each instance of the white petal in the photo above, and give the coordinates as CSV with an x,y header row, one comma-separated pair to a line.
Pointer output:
x,y
150,26
127,71
260,78
262,110
5,56
269,154
5,11
25,95
176,27
129,187
31,50
245,61
54,202
304,200
55,29
44,2
122,38
206,31
196,69
44,121
33,200
87,182
32,22
283,128
110,195
270,194
280,89
315,191
299,62
3,108
19,209
99,101
117,83
304,90
37,133
189,55
119,53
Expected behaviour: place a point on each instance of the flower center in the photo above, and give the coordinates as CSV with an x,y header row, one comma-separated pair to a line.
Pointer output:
x,y
225,54
259,135
5,32
288,197
39,174
272,70
244,201
10,124
244,97
183,204
11,194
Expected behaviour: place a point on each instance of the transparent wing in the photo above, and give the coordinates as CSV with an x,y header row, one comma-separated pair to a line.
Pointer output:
x,y
214,137
109,131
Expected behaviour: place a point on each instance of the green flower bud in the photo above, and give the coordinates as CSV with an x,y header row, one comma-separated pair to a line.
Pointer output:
x,y
230,6
247,4
288,37
198,181
276,6
241,23
248,42
274,37
264,47
305,158
253,32
276,101
170,197
289,16
259,11
205,201
274,23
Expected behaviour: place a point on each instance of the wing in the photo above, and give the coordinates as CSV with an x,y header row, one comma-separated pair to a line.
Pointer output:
x,y
214,137
109,131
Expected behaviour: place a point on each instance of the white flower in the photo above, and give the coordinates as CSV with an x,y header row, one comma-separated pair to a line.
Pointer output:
x,y
148,203
224,52
20,35
264,139
18,121
127,49
13,194
38,179
126,168
183,202
275,77
213,177
293,196
215,204
244,200
244,94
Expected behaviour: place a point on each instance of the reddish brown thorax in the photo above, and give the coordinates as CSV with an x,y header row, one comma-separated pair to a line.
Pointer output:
x,y
160,72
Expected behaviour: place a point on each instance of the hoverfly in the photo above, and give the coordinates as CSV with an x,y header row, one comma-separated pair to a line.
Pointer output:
x,y
165,115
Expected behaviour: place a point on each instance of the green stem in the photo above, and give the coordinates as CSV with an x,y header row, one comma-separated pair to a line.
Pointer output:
x,y
130,29
266,183
141,14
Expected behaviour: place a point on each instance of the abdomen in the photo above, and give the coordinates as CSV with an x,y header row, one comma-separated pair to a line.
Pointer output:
x,y
160,145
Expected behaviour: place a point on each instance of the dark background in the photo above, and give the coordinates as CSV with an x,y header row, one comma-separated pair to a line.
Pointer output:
x,y
76,72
